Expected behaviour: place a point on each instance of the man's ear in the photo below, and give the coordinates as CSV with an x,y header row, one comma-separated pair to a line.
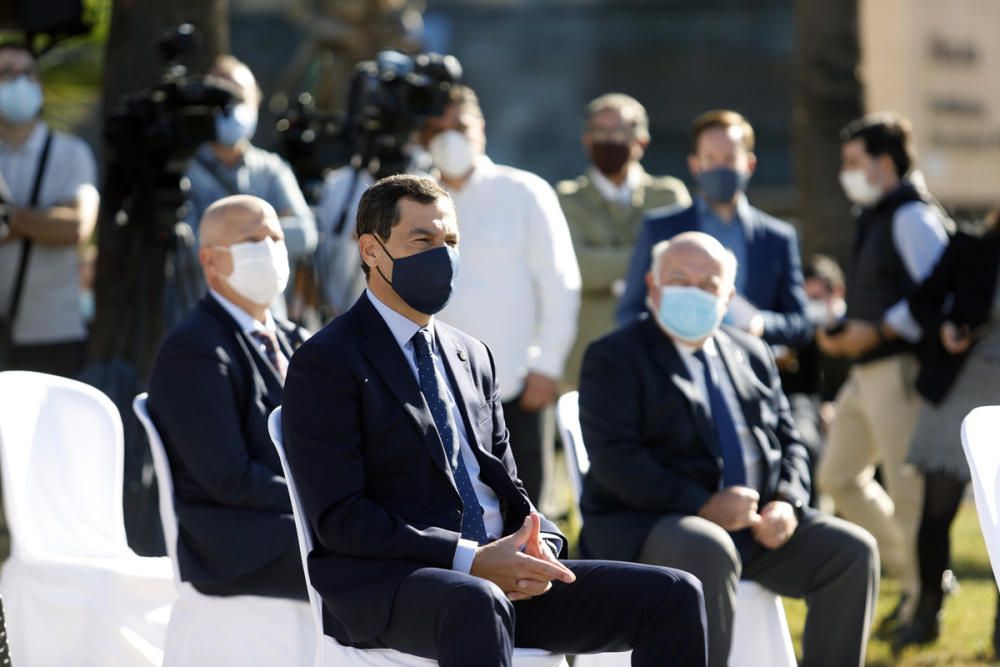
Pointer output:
x,y
651,286
693,165
368,247
751,163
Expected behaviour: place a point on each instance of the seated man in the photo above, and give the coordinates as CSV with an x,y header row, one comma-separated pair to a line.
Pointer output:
x,y
695,462
216,378
426,541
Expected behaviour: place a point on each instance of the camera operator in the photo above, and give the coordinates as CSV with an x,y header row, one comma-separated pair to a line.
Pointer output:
x,y
48,208
232,165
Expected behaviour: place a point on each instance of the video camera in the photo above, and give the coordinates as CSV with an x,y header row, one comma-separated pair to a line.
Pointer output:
x,y
387,100
154,132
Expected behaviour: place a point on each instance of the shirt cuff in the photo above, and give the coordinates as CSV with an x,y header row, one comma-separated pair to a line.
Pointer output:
x,y
554,541
465,553
901,320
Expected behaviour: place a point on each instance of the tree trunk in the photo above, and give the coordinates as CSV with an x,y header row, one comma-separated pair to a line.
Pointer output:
x,y
828,95
128,325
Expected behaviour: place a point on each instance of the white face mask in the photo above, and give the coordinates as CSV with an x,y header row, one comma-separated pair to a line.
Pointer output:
x,y
452,153
857,188
260,270
20,100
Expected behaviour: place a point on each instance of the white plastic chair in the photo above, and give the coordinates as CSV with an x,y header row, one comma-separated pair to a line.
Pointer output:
x,y
760,630
212,630
73,591
980,442
330,653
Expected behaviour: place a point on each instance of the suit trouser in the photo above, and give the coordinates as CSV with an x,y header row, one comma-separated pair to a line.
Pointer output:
x,y
464,621
829,562
877,412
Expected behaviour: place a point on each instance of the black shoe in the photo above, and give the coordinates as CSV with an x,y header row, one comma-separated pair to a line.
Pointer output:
x,y
890,624
925,627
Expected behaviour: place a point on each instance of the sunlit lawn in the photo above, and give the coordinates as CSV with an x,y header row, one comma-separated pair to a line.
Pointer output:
x,y
968,618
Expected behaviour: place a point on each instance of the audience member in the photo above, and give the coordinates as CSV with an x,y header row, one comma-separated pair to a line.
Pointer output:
x,y
809,378
695,462
232,165
901,234
426,542
520,287
604,209
216,379
958,306
771,302
48,209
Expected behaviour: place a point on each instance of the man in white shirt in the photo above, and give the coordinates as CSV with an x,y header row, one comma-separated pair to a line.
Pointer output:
x,y
47,211
520,286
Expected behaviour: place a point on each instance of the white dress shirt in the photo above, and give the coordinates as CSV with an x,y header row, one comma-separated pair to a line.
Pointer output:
x,y
518,287
612,192
403,330
752,456
248,323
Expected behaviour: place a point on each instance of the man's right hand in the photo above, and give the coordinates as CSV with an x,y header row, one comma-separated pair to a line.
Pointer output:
x,y
517,574
733,508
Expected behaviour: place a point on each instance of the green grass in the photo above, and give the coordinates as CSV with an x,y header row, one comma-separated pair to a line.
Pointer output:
x,y
967,626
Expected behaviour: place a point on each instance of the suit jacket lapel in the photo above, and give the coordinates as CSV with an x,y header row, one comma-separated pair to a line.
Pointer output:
x,y
736,365
667,357
265,376
382,351
460,375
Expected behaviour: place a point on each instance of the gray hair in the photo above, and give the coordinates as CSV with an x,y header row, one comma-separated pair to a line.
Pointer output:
x,y
627,106
729,261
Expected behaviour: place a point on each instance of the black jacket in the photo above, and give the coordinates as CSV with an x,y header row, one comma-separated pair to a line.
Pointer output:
x,y
210,394
652,445
961,290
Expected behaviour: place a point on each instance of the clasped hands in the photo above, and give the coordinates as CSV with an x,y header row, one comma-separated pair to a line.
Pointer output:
x,y
735,508
521,564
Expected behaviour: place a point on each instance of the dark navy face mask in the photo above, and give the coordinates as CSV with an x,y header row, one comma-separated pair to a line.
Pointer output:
x,y
722,183
424,281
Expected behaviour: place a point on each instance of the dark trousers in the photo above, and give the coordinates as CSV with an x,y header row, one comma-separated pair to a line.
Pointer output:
x,y
281,578
531,444
942,497
65,359
464,621
833,564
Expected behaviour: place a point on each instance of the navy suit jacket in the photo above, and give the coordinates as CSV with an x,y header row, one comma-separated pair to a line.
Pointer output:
x,y
652,443
774,282
370,467
210,394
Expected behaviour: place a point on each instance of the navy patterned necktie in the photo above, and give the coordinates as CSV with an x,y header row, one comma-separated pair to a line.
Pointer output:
x,y
734,471
433,388
269,342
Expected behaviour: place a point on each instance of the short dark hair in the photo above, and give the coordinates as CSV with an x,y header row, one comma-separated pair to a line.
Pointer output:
x,y
378,210
723,118
884,133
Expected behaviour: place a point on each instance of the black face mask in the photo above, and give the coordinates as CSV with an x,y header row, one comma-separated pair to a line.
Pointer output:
x,y
424,281
609,157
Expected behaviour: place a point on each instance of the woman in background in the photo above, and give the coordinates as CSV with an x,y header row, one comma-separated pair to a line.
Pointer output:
x,y
958,307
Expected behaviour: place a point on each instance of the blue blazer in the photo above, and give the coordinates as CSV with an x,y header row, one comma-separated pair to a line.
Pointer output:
x,y
370,468
652,443
210,393
774,273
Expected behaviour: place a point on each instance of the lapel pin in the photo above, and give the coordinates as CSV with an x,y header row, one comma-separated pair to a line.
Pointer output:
x,y
462,355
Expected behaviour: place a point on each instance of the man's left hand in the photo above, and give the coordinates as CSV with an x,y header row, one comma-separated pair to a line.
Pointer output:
x,y
539,391
777,524
857,338
535,547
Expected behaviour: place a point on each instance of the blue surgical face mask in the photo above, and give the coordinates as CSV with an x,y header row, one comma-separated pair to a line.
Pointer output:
x,y
425,281
689,313
722,183
235,124
20,100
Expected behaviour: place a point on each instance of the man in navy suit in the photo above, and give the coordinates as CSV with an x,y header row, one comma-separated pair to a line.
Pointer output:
x,y
695,462
216,378
426,541
772,299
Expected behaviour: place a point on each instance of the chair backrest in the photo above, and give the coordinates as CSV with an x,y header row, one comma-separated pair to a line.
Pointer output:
x,y
164,480
62,461
980,441
577,461
301,530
